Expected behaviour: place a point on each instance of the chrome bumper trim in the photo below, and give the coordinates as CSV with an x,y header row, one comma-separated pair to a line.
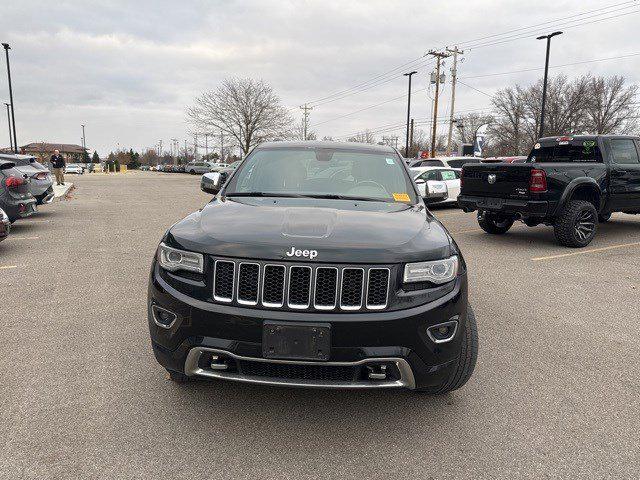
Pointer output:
x,y
191,368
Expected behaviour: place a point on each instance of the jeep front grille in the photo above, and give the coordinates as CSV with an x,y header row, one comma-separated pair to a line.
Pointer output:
x,y
301,287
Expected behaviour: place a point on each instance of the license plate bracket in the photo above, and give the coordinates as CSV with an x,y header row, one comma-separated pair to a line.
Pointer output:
x,y
296,340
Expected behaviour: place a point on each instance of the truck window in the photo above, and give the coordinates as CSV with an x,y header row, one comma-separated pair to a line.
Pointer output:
x,y
623,151
448,174
576,151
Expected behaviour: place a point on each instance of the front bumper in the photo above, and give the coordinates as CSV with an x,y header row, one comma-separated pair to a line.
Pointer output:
x,y
360,342
527,208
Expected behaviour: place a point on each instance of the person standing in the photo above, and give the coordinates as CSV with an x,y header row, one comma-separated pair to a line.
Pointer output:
x,y
58,164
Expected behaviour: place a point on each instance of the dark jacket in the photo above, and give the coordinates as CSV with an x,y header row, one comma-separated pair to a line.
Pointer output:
x,y
57,161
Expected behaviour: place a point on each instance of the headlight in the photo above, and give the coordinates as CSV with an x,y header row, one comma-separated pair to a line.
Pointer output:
x,y
437,271
173,259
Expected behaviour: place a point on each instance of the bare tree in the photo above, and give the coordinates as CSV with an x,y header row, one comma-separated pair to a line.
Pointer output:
x,y
467,125
247,110
363,137
609,107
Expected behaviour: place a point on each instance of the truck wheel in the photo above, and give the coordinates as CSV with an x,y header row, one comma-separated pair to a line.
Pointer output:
x,y
177,377
604,217
494,224
577,224
466,361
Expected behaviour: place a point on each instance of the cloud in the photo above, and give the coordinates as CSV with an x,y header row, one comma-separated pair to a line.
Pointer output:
x,y
129,69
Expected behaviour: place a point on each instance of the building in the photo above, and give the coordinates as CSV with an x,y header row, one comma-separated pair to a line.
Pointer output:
x,y
43,151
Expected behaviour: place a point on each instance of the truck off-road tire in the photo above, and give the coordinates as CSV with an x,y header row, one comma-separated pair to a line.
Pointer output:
x,y
466,361
577,225
604,217
494,224
178,377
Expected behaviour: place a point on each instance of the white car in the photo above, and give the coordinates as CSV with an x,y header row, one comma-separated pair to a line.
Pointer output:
x,y
452,162
424,176
73,168
216,167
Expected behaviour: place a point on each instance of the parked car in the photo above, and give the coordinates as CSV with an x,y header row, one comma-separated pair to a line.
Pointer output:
x,y
226,172
357,284
73,168
15,198
450,176
198,167
5,225
40,181
145,168
569,182
216,167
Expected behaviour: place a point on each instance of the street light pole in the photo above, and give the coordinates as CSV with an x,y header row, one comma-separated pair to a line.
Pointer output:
x,y
13,114
406,147
546,74
9,122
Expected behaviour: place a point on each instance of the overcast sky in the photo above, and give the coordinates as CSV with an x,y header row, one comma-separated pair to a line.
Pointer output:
x,y
128,69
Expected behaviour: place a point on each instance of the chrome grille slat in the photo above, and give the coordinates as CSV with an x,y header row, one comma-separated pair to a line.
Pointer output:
x,y
325,293
223,280
272,293
352,288
378,288
299,287
248,283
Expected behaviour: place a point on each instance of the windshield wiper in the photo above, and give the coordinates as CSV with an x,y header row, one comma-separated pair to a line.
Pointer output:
x,y
263,194
335,196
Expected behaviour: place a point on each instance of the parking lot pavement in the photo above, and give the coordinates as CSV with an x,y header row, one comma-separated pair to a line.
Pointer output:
x,y
555,393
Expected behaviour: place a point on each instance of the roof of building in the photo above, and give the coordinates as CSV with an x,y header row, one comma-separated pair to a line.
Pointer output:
x,y
50,147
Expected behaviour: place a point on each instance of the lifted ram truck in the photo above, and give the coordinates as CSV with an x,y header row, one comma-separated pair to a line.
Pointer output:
x,y
568,182
316,264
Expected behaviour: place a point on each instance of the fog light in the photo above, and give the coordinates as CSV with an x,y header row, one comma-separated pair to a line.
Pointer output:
x,y
443,332
163,317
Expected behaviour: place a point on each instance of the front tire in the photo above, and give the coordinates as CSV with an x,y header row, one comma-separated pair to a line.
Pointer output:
x,y
577,225
466,361
494,224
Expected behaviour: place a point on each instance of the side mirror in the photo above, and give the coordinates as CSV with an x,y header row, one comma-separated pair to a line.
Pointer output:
x,y
420,181
436,191
211,183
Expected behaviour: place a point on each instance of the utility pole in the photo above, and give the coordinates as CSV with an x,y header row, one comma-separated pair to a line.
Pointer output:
x,y
411,137
305,118
84,146
438,56
160,148
406,143
174,150
206,145
544,83
9,122
195,147
13,113
454,77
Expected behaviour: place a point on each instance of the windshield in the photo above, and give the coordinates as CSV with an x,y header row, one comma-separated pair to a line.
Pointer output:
x,y
566,151
323,172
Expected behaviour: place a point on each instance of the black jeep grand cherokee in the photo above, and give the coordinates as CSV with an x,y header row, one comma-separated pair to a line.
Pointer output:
x,y
318,265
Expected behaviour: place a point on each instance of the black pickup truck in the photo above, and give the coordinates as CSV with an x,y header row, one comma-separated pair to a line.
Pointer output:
x,y
568,182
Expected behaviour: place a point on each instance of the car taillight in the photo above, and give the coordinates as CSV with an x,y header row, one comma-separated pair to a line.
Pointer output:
x,y
14,182
538,181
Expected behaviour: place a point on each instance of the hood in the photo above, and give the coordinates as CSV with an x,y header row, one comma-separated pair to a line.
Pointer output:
x,y
340,231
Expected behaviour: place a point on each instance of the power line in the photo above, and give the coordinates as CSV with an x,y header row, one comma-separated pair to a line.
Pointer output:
x,y
474,40
553,66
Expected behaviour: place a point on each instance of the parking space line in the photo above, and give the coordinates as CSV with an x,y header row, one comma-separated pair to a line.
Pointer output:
x,y
467,231
582,252
13,237
7,267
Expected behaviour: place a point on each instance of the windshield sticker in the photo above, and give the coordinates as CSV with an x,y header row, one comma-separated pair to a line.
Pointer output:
x,y
401,197
588,147
390,161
